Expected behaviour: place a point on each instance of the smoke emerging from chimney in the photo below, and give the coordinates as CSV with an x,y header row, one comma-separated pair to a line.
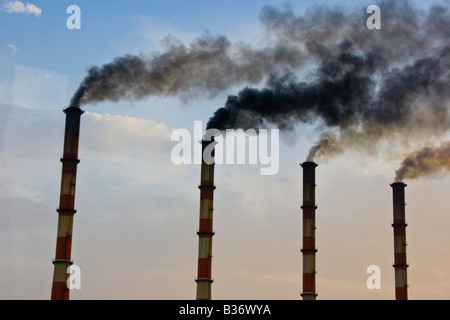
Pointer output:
x,y
429,161
207,66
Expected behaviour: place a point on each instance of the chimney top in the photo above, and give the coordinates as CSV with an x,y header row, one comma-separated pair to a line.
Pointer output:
x,y
309,164
73,109
398,185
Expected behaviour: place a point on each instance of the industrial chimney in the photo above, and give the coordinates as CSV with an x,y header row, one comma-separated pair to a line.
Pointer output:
x,y
205,233
399,225
309,231
66,210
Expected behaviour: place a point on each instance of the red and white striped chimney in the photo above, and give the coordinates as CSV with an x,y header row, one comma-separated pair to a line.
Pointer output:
x,y
399,225
309,231
204,276
66,210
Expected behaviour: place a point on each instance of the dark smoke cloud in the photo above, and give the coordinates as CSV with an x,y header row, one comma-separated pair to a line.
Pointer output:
x,y
346,95
207,66
368,85
412,101
429,161
337,97
406,31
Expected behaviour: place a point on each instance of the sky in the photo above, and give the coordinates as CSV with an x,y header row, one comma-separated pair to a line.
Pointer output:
x,y
135,230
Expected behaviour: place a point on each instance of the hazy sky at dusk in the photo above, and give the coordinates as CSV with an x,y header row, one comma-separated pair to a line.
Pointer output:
x,y
135,230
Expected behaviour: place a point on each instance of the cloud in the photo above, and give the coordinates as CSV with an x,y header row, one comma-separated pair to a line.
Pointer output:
x,y
20,7
118,138
13,49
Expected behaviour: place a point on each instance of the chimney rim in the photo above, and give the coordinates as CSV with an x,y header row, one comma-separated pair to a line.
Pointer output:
x,y
309,164
398,184
73,109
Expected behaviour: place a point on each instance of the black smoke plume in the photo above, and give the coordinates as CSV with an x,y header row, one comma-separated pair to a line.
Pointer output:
x,y
207,66
368,84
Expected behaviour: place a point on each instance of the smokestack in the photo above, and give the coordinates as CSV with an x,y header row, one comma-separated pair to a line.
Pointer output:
x,y
399,225
309,231
205,234
66,210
